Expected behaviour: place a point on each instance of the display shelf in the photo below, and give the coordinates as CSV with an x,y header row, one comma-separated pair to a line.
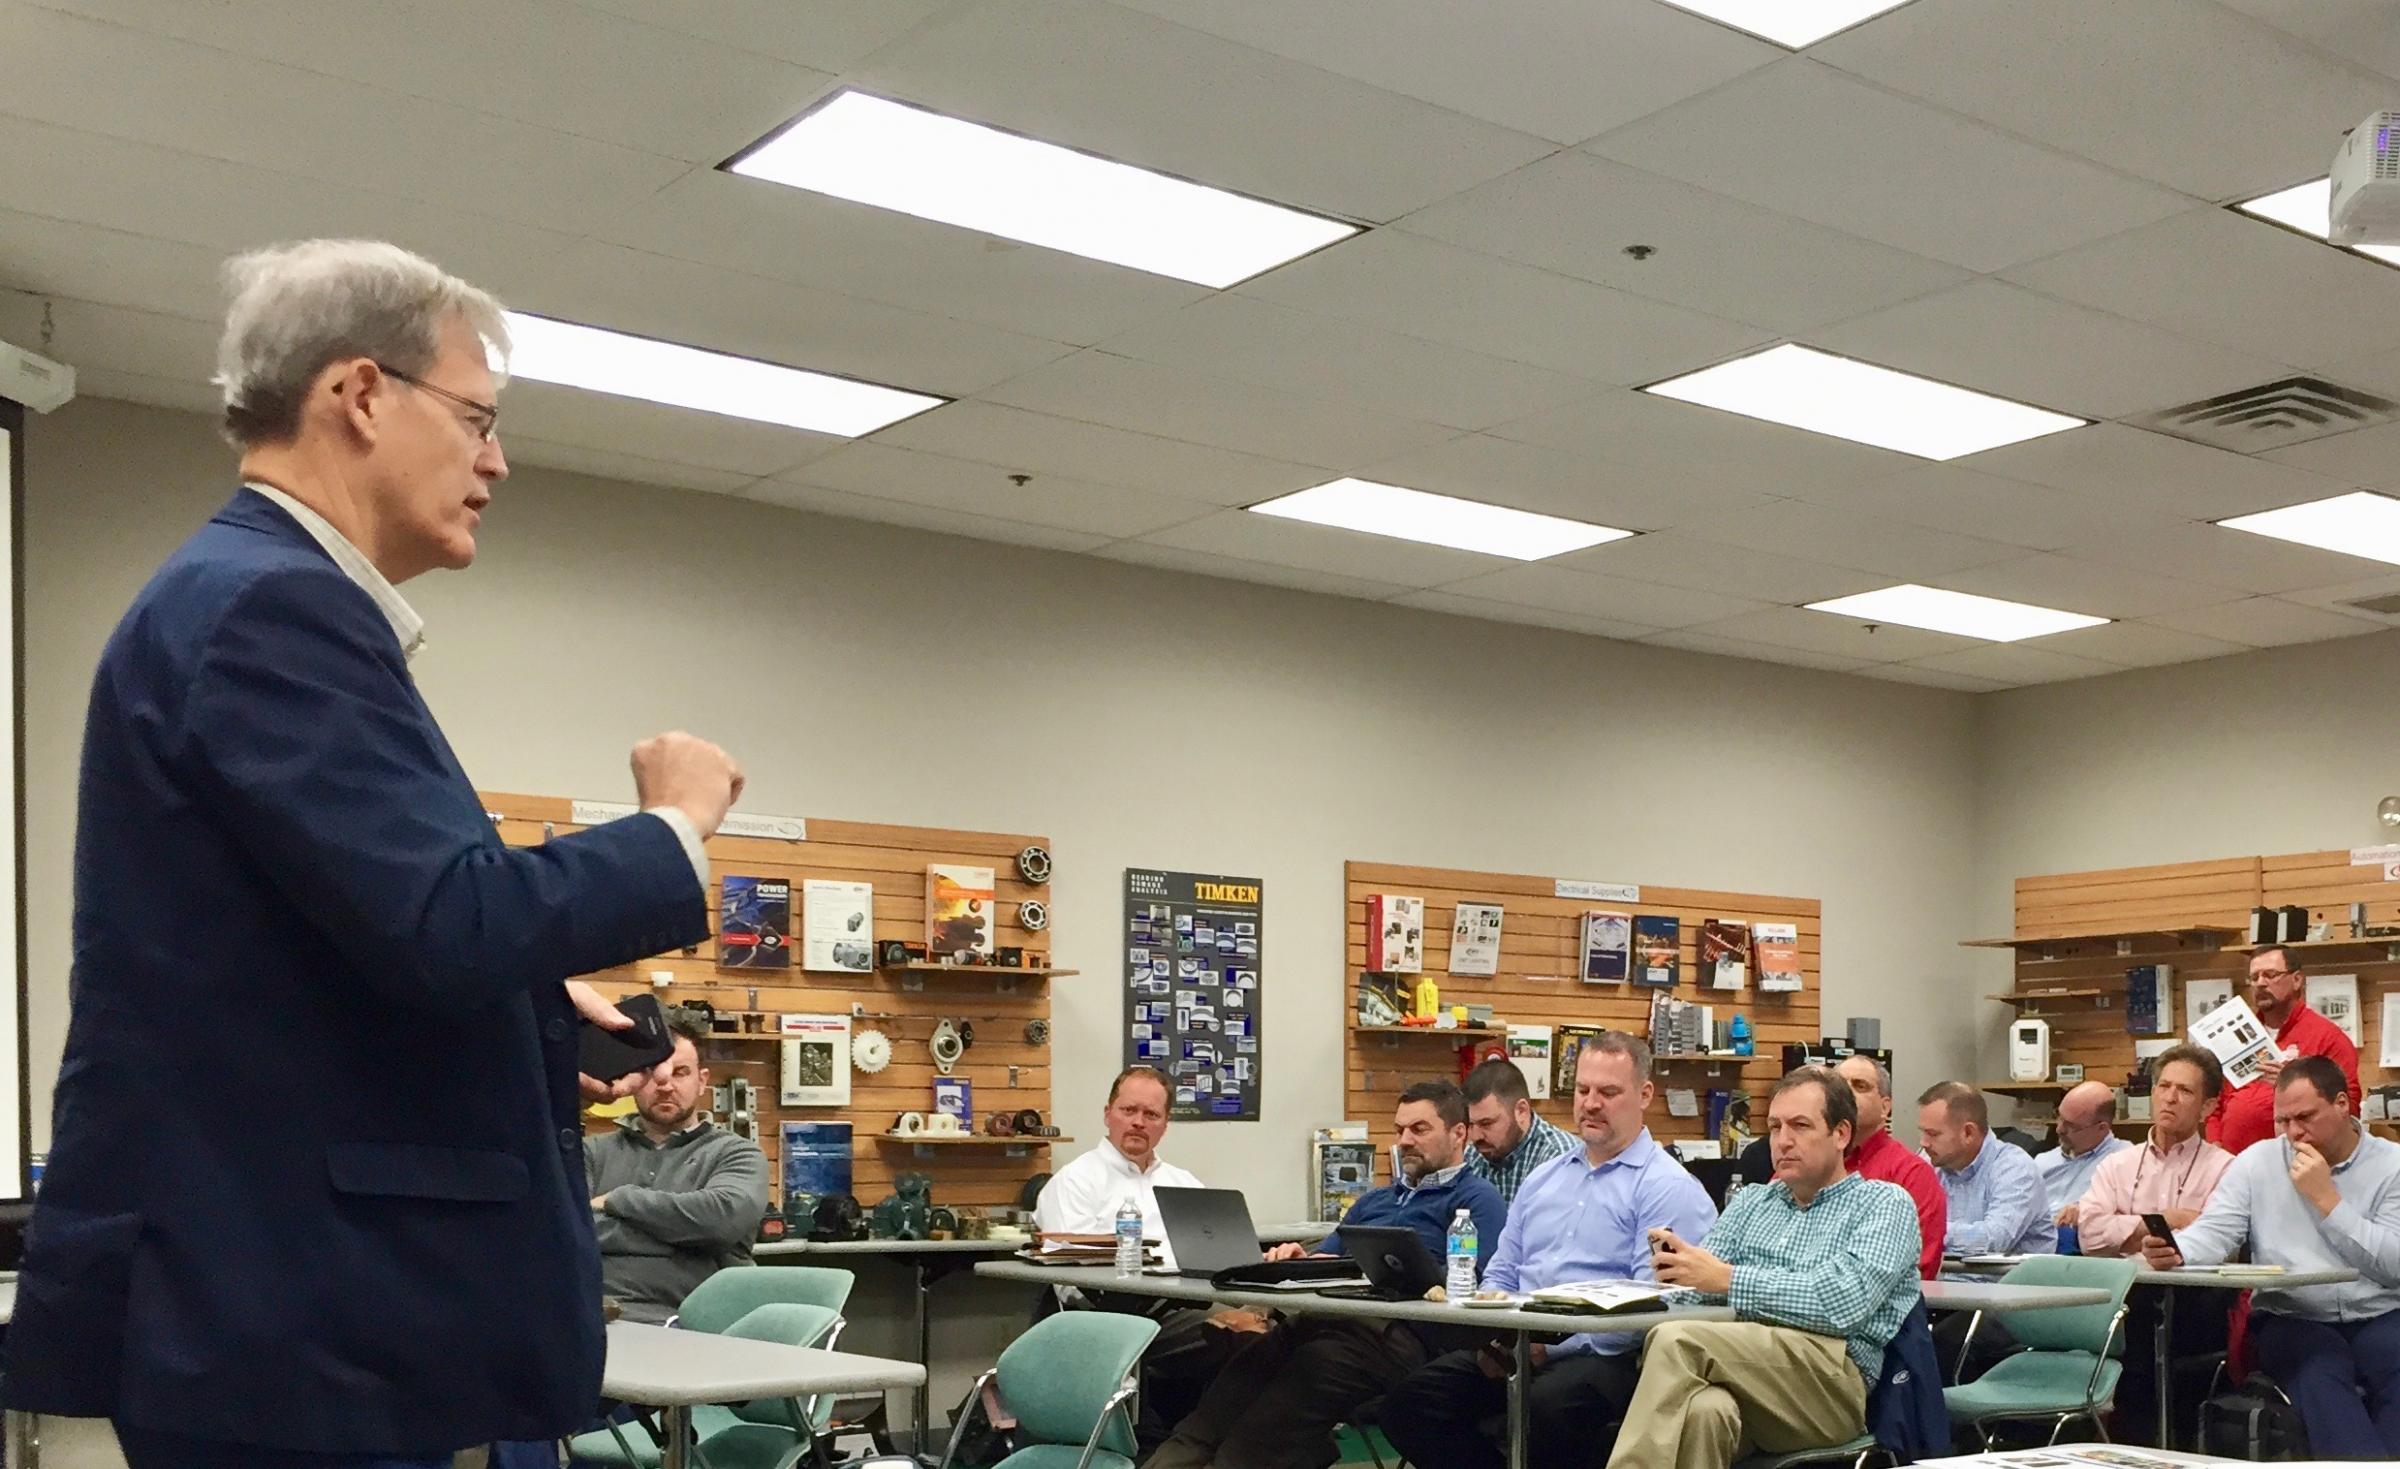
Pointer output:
x,y
1483,1032
1664,1057
1004,971
2019,997
2382,941
2083,936
968,1140
2023,1088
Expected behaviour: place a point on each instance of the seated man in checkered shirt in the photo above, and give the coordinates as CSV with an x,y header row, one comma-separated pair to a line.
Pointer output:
x,y
1821,1266
1509,1137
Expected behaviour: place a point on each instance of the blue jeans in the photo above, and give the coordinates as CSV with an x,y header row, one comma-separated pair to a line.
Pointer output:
x,y
2344,1378
151,1448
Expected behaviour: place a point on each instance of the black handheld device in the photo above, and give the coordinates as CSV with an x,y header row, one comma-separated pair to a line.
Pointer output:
x,y
605,1055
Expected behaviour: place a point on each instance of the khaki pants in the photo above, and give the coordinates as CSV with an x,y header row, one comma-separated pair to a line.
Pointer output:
x,y
1716,1391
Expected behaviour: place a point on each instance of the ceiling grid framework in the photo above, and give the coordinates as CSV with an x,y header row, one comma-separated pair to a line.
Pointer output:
x,y
1563,202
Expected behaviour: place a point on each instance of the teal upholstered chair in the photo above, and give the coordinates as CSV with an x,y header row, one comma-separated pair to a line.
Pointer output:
x,y
1855,1453
2070,1367
1066,1382
769,1433
734,1292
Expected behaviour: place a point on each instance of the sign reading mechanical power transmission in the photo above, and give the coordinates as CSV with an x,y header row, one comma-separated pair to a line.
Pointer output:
x,y
1192,945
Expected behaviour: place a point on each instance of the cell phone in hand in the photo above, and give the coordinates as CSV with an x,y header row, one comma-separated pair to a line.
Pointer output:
x,y
2157,1225
1664,1241
604,1055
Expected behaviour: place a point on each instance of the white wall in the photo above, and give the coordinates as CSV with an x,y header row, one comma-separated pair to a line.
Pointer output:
x,y
1190,723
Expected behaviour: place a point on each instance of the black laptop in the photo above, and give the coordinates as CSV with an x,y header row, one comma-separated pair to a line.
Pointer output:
x,y
1395,1261
1210,1232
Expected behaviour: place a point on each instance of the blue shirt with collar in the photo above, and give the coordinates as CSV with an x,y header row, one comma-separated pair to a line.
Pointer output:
x,y
1998,1205
2067,1179
1427,1207
1576,1221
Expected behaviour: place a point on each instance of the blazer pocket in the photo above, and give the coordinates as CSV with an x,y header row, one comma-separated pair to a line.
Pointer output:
x,y
70,1251
427,1171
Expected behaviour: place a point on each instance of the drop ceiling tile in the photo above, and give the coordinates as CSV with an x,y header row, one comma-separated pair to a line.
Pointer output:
x,y
524,449
1684,439
1701,642
90,337
51,257
1559,69
1576,214
2133,644
558,65
2237,560
614,425
2268,622
1038,443
136,387
2378,372
937,481
1504,472
1680,559
1012,439
1248,537
1442,293
140,188
1845,538
1230,568
2358,31
1947,497
1840,637
2193,96
2147,471
1806,140
1314,356
2016,664
2236,281
1932,678
774,321
2367,456
2002,339
2073,585
75,72
833,34
2337,596
1477,607
1119,392
788,234
920,517
1136,89
1618,599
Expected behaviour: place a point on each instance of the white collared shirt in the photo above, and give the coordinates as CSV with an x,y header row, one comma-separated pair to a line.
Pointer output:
x,y
409,628
1082,1198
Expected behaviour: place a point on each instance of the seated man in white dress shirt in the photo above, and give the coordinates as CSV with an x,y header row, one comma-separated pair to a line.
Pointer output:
x,y
1083,1198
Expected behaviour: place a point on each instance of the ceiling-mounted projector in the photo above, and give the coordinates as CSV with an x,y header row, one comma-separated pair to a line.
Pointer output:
x,y
2365,208
34,380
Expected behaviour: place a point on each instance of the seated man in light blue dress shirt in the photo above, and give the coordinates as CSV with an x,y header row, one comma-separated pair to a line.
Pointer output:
x,y
2087,1133
1997,1203
1584,1215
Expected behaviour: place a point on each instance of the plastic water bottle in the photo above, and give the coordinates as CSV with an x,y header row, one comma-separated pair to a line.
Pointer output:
x,y
1733,1185
1129,1237
1462,1249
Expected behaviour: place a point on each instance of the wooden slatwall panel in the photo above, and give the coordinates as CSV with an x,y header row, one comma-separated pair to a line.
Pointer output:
x,y
893,859
2326,884
2091,1030
1536,985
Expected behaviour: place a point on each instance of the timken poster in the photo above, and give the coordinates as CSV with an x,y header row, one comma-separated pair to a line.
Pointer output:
x,y
1193,943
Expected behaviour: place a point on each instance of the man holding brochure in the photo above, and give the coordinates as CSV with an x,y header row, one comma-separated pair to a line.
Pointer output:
x,y
1581,1217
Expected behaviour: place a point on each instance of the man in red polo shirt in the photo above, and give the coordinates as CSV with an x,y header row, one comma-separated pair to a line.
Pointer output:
x,y
2246,1114
1881,1156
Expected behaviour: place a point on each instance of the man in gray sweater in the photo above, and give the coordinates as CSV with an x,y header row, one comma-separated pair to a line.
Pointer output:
x,y
674,1198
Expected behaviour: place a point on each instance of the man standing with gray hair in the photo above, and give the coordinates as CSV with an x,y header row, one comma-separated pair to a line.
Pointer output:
x,y
317,1268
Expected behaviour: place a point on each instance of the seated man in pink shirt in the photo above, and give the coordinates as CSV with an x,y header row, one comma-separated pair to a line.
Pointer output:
x,y
2172,1173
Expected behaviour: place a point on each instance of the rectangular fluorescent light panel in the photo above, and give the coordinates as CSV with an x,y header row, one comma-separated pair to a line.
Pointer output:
x,y
2357,524
1793,23
1438,520
1805,388
2306,208
905,158
714,382
1969,616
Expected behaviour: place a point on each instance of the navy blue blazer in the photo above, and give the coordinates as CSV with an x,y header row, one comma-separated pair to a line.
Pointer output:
x,y
316,1176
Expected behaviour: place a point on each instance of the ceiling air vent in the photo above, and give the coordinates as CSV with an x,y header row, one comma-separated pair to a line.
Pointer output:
x,y
2288,411
2385,606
